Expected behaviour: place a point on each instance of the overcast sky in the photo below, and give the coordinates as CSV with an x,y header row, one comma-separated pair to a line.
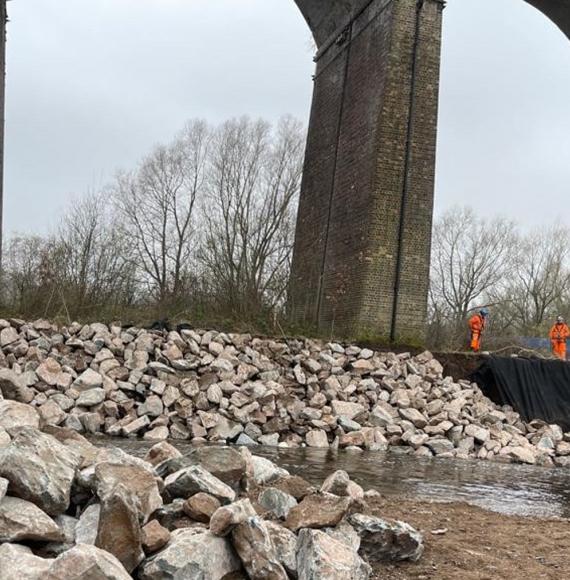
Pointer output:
x,y
94,84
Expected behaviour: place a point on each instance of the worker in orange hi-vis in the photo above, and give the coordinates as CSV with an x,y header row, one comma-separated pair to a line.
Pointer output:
x,y
559,334
477,326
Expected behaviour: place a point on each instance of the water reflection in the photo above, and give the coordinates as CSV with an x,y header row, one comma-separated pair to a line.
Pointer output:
x,y
504,488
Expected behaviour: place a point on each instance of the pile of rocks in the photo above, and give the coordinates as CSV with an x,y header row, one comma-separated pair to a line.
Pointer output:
x,y
73,511
213,386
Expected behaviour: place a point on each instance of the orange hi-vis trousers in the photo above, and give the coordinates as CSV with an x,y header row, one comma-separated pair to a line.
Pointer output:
x,y
559,349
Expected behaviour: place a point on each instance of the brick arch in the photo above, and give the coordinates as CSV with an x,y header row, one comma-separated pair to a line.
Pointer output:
x,y
363,239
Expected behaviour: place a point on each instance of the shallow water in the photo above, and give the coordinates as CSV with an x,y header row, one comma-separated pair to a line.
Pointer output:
x,y
504,488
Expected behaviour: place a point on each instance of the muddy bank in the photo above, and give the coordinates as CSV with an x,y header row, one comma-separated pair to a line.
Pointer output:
x,y
477,544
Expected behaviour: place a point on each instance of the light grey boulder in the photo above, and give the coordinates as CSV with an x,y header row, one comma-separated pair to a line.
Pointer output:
x,y
91,397
195,479
14,388
253,544
3,487
14,414
19,562
265,471
84,562
285,544
88,524
322,557
225,518
277,502
40,469
381,540
22,521
192,553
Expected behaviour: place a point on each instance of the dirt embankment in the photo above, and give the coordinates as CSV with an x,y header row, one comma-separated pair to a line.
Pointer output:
x,y
477,544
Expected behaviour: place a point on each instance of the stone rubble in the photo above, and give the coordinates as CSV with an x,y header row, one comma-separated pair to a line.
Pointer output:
x,y
234,388
107,515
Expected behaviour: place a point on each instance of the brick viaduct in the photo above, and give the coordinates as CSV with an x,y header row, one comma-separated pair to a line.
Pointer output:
x,y
362,248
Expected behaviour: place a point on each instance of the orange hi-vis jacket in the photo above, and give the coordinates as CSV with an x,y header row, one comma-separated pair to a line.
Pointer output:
x,y
560,332
477,326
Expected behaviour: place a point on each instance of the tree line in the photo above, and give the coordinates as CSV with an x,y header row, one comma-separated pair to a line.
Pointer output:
x,y
203,230
522,276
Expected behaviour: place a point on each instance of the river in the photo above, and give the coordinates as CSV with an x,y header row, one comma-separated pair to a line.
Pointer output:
x,y
504,488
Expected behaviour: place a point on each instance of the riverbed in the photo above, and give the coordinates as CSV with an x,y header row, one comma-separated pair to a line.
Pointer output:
x,y
503,488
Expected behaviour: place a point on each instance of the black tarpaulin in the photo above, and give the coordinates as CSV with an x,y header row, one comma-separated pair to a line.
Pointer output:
x,y
537,389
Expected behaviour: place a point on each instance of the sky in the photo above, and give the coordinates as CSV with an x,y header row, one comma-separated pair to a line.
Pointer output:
x,y
93,85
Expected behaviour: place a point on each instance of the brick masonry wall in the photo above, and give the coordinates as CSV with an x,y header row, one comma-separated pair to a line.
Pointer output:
x,y
371,145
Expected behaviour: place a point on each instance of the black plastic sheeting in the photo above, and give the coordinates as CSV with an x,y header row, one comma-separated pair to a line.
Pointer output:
x,y
537,389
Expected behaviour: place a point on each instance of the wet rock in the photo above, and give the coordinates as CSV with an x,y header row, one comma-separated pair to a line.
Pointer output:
x,y
201,507
321,557
317,438
14,414
22,521
39,469
252,542
277,502
86,562
119,532
318,511
382,540
226,517
161,452
192,553
264,471
339,483
225,463
195,479
154,537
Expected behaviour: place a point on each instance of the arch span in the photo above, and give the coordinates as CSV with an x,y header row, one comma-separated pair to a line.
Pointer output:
x,y
363,241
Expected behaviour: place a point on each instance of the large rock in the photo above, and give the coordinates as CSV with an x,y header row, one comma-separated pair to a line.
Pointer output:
x,y
322,557
226,517
22,521
88,525
194,479
201,507
19,562
252,542
339,483
348,410
285,544
86,562
119,532
141,484
40,469
277,502
264,471
318,511
161,452
13,387
382,540
154,537
225,463
87,380
192,553
14,414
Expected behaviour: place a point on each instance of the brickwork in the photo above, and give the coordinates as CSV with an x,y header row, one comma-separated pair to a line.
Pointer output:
x,y
384,155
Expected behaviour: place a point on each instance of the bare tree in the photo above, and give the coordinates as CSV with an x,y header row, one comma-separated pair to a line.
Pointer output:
x,y
156,206
253,183
540,279
471,257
